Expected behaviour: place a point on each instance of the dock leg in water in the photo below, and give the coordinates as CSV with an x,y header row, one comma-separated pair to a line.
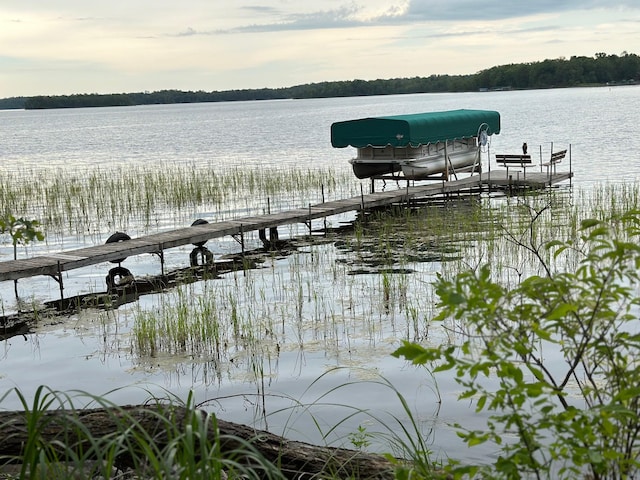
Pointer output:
x,y
262,235
273,235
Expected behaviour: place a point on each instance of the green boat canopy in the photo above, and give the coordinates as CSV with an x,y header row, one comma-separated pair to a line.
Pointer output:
x,y
415,129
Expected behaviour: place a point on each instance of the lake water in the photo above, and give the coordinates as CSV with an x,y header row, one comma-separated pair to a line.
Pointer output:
x,y
344,326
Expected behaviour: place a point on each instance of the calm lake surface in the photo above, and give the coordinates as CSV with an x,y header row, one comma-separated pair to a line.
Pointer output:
x,y
339,321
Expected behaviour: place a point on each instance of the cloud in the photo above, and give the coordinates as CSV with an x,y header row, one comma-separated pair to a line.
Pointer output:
x,y
415,11
261,9
469,10
294,16
341,17
187,32
483,31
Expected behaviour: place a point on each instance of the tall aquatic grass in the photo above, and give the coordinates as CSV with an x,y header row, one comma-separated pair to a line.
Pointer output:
x,y
203,325
86,202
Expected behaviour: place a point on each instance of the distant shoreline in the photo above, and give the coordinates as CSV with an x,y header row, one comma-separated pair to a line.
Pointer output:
x,y
102,104
601,70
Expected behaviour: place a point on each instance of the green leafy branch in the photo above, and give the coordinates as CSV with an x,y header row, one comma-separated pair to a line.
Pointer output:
x,y
554,359
21,231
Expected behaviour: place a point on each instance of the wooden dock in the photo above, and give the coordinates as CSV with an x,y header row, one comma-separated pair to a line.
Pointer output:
x,y
54,264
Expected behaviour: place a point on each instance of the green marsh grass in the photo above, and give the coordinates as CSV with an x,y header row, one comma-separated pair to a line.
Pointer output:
x,y
86,203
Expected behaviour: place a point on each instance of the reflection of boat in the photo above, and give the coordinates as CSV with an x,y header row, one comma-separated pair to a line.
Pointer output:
x,y
420,145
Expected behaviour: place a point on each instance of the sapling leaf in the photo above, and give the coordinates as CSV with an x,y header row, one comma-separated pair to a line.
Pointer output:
x,y
588,223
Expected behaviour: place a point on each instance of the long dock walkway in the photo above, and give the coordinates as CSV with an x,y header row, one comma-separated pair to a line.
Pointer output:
x,y
54,264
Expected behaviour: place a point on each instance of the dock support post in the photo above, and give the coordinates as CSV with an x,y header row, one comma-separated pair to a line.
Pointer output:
x,y
269,243
407,190
361,198
489,167
273,235
541,158
372,189
446,162
242,239
161,255
309,220
262,235
570,166
60,284
56,276
324,218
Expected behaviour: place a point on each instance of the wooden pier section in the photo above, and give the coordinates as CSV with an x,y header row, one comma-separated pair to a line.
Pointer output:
x,y
54,264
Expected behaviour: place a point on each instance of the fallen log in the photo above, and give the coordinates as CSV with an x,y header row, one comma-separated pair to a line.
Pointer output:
x,y
293,458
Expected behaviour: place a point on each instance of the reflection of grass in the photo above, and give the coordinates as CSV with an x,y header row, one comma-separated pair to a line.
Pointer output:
x,y
246,318
465,232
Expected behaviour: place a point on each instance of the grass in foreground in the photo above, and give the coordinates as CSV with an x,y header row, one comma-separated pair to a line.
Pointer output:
x,y
54,438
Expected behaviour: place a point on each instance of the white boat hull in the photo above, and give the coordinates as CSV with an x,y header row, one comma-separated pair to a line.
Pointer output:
x,y
424,167
366,169
422,161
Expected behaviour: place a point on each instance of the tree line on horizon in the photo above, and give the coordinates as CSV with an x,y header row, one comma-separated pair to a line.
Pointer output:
x,y
601,69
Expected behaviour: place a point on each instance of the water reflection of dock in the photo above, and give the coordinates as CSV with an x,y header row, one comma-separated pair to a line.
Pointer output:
x,y
54,264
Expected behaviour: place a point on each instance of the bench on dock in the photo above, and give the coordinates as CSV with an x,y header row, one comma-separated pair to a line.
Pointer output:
x,y
517,160
555,158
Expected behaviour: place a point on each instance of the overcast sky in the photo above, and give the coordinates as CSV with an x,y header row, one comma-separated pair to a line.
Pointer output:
x,y
96,46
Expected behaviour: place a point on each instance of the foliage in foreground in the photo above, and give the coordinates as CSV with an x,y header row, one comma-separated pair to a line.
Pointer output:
x,y
554,360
